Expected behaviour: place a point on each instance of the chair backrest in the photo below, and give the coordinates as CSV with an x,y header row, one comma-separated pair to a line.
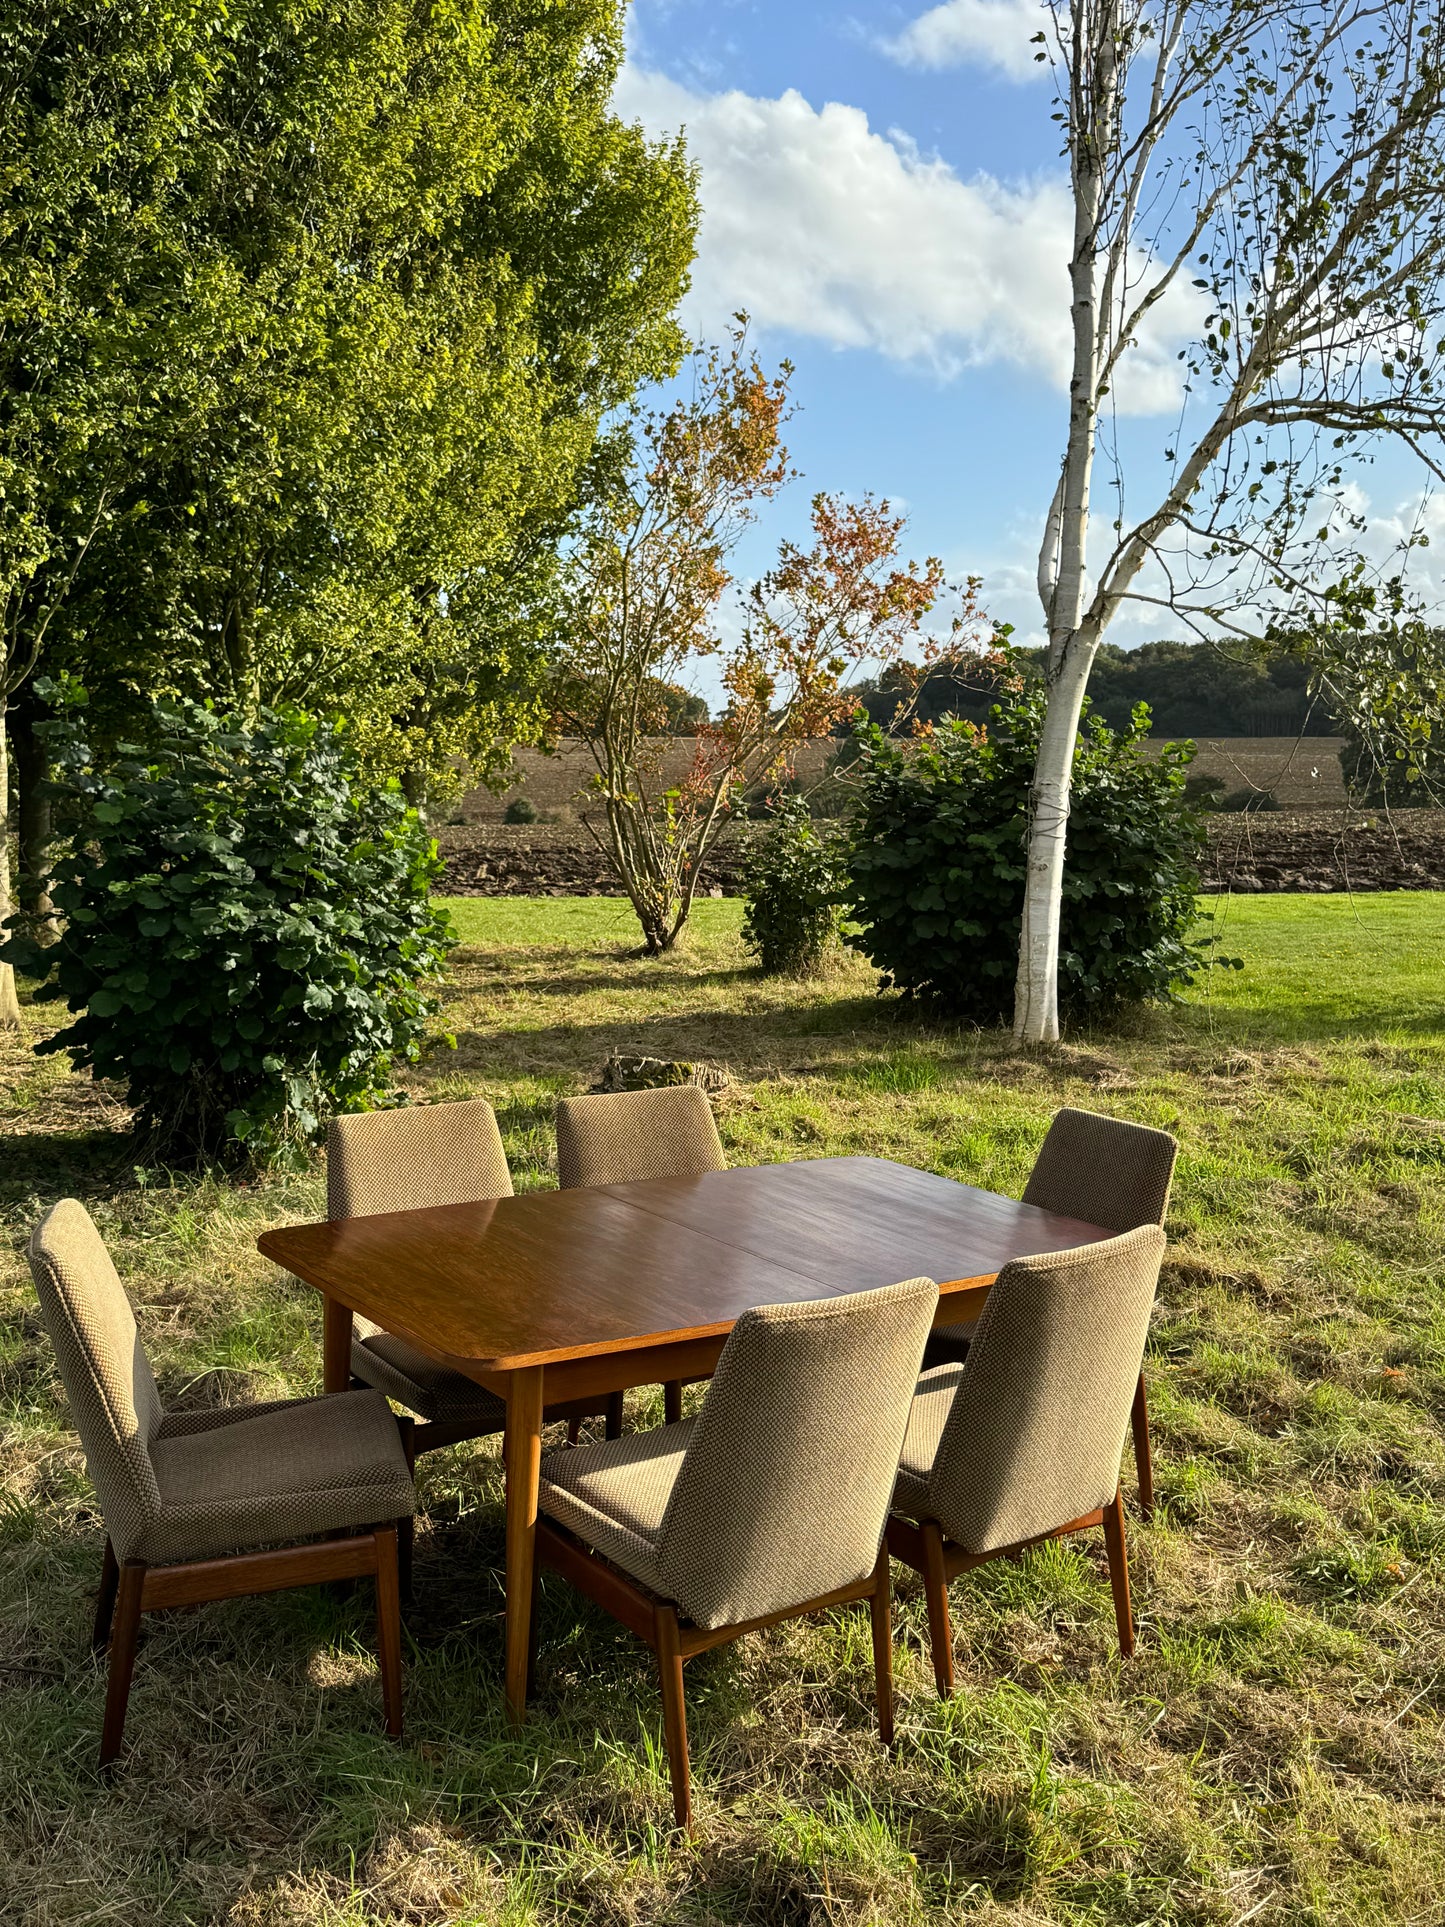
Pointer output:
x,y
103,1366
1103,1170
784,1488
414,1157
1037,1424
623,1137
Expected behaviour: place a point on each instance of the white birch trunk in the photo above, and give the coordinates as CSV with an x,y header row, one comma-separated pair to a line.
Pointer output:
x,y
1063,575
9,1002
1036,992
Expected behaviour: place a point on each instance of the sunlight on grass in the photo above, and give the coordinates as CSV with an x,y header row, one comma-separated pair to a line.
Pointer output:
x,y
1273,1751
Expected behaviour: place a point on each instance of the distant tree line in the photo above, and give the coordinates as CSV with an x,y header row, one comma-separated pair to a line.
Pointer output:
x,y
1192,689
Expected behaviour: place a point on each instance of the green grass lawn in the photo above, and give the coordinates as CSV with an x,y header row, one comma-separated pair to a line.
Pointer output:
x,y
1276,1751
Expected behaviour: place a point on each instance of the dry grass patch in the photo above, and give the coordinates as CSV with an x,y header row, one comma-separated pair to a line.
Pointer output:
x,y
1274,1754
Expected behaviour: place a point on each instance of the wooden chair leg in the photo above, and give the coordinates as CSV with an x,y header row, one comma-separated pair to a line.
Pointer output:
x,y
674,1713
672,1401
883,1648
105,1598
388,1627
614,1415
935,1591
1143,1452
574,1430
124,1639
1119,1572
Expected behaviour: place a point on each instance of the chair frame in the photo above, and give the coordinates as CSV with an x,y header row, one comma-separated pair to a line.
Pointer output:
x,y
675,1640
127,1591
937,1559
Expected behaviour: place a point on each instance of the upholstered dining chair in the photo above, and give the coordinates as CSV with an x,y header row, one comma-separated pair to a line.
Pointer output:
x,y
768,1504
188,1498
409,1159
1107,1172
1021,1441
624,1137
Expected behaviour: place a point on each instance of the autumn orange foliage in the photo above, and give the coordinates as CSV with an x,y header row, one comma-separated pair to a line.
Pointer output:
x,y
645,587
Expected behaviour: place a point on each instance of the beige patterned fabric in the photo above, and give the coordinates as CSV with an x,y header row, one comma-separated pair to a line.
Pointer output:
x,y
106,1374
409,1160
631,1135
777,1492
1101,1169
1038,1411
272,1477
932,1404
415,1157
614,1495
191,1484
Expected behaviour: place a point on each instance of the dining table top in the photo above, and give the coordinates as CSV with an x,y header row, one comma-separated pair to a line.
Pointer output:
x,y
510,1283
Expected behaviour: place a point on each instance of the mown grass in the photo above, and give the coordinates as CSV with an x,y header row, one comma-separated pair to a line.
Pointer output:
x,y
1274,1754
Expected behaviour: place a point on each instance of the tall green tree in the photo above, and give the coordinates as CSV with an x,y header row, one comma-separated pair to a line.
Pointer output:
x,y
312,311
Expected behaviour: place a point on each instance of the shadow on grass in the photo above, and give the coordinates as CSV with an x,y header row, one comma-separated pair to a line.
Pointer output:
x,y
57,1164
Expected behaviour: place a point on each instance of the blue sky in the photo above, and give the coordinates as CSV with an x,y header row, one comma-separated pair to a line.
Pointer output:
x,y
929,371
882,190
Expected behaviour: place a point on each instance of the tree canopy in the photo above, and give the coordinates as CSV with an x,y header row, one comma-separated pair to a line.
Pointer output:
x,y
312,313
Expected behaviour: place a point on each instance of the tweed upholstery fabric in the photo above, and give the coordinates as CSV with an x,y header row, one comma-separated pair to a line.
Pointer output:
x,y
785,1487
1101,1169
418,1382
409,1160
614,1495
103,1366
627,1136
287,1473
1104,1170
1040,1407
413,1158
932,1404
778,1491
186,1485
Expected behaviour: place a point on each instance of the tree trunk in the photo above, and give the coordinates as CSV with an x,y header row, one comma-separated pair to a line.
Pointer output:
x,y
9,1002
35,814
1063,570
1036,992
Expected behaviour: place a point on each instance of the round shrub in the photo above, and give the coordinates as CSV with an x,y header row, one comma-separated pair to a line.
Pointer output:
x,y
794,883
938,863
248,931
521,809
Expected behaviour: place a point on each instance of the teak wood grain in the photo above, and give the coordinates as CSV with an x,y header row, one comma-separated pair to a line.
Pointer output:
x,y
563,1294
559,1275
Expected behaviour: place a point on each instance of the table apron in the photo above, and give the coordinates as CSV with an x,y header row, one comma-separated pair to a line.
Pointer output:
x,y
684,1358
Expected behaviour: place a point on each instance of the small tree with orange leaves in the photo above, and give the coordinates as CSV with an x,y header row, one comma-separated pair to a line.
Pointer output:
x,y
645,584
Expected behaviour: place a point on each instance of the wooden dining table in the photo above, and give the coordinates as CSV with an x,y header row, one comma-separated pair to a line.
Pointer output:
x,y
560,1295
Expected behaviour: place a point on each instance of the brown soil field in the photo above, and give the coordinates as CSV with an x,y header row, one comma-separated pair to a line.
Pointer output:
x,y
1267,850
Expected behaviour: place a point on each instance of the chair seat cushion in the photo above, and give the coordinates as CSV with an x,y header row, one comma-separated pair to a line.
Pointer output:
x,y
931,1405
613,1495
287,1472
423,1386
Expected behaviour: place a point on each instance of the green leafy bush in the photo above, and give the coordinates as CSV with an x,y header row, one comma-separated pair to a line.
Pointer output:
x,y
248,932
795,882
521,809
938,863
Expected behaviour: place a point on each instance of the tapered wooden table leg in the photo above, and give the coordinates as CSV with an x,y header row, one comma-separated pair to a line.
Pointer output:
x,y
335,1346
523,1449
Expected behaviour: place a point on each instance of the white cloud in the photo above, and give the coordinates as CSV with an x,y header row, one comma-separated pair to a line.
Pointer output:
x,y
816,224
984,33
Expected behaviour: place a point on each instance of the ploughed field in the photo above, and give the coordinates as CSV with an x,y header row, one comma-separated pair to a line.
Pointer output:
x,y
1276,1751
1249,852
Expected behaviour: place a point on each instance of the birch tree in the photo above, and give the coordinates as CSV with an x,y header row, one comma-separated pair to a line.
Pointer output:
x,y
1266,180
